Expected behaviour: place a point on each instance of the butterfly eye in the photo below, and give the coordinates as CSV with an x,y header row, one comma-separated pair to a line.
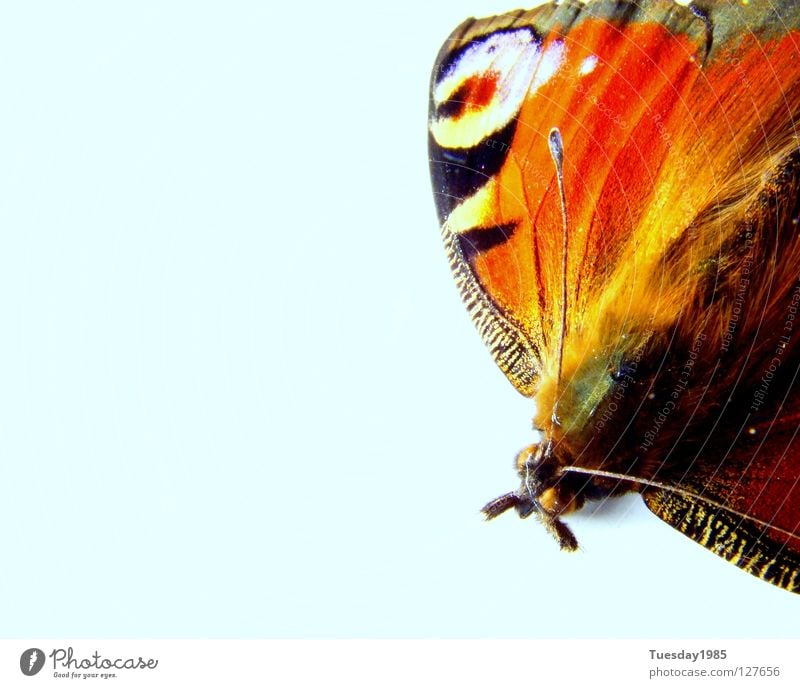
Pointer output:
x,y
622,371
481,87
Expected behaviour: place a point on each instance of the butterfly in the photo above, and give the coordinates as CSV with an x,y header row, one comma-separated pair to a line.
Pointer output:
x,y
617,189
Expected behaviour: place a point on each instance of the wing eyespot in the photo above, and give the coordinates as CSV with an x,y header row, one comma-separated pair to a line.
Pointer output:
x,y
481,86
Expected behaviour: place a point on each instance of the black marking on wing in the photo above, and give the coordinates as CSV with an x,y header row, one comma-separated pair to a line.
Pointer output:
x,y
457,173
454,106
476,241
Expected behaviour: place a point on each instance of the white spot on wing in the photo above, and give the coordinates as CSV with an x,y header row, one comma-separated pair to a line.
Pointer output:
x,y
588,65
551,60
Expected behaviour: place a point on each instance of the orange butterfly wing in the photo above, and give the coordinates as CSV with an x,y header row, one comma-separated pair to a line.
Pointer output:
x,y
652,140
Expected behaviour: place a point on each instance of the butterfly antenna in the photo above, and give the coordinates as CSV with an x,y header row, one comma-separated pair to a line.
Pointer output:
x,y
557,152
678,490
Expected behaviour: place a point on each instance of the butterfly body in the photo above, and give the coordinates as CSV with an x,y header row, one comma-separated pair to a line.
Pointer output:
x,y
650,311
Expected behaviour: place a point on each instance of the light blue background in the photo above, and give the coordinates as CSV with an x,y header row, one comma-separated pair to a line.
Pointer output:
x,y
239,396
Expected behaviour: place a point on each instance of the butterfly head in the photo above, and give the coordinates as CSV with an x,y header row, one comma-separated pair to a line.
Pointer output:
x,y
545,490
